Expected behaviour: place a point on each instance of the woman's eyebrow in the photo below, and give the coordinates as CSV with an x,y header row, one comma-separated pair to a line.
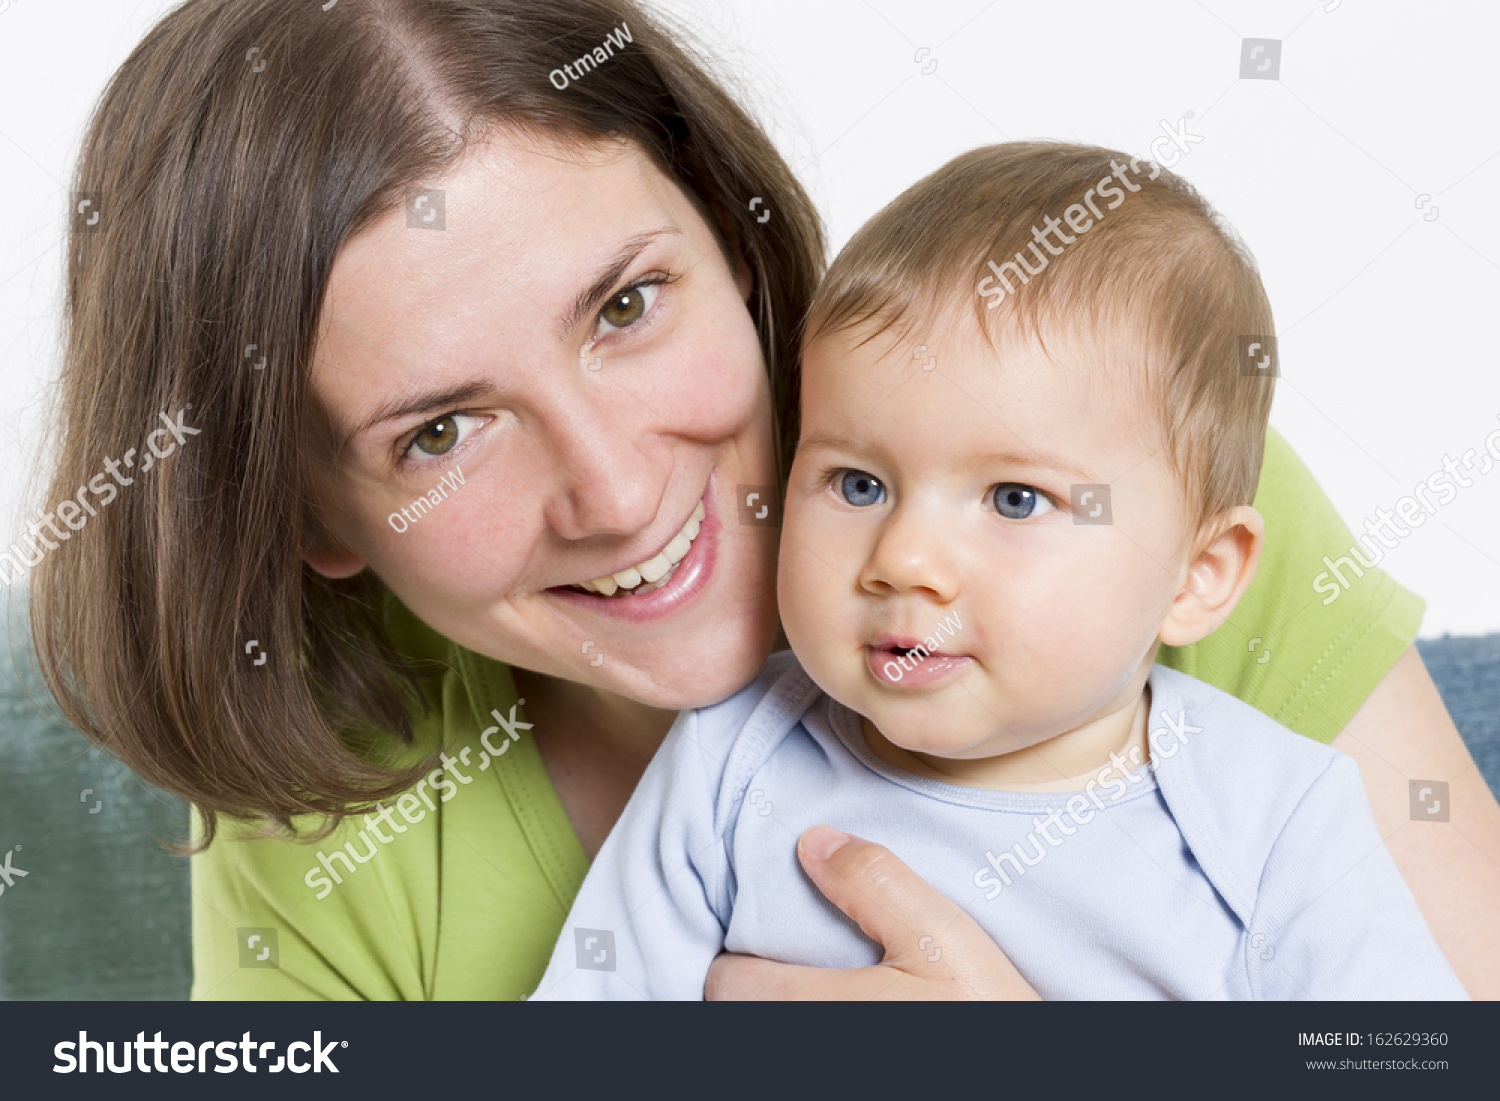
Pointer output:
x,y
608,276
419,401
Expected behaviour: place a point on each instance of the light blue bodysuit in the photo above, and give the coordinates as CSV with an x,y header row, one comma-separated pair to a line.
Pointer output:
x,y
1242,862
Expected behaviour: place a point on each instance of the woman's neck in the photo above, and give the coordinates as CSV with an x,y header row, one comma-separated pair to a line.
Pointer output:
x,y
581,712
595,746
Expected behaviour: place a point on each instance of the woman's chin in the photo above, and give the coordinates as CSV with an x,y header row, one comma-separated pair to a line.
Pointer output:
x,y
691,674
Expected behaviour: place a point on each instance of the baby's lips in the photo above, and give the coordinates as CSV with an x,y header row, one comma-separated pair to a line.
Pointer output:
x,y
887,644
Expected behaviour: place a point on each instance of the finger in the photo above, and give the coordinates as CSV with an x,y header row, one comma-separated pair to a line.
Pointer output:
x,y
891,903
924,933
750,978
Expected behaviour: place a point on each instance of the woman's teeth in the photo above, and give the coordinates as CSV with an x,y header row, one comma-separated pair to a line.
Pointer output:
x,y
654,571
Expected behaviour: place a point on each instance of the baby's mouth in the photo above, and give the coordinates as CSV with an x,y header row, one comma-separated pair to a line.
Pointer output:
x,y
905,649
652,574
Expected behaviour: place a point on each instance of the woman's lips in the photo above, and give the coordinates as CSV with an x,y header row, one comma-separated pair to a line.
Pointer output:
x,y
690,577
890,670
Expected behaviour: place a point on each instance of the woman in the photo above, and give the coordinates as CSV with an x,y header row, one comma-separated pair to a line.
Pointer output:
x,y
484,368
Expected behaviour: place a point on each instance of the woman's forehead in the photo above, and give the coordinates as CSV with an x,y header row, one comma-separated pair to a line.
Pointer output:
x,y
526,193
502,216
503,254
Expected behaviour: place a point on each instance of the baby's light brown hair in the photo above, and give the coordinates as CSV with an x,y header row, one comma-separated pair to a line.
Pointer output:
x,y
1157,281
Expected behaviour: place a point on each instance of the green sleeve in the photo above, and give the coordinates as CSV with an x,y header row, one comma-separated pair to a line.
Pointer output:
x,y
371,935
370,938
459,892
1302,647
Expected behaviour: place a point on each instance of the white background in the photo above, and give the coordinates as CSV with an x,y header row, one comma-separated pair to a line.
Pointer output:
x,y
1385,318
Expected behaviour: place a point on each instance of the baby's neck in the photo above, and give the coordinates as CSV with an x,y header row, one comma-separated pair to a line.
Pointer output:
x,y
1066,762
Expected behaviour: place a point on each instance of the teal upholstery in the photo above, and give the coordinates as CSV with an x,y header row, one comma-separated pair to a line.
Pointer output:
x,y
102,911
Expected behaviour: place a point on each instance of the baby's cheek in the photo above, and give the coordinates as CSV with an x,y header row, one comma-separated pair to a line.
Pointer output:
x,y
1104,627
1060,616
793,591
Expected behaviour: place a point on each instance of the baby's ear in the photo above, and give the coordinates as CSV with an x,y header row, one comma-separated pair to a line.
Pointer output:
x,y
1217,577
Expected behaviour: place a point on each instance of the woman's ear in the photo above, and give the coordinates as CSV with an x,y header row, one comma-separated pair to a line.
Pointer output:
x,y
744,279
732,242
331,558
1217,576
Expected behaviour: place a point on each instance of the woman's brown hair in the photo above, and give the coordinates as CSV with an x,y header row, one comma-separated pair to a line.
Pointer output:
x,y
232,155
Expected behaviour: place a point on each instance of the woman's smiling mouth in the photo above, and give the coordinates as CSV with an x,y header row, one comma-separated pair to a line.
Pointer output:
x,y
656,571
682,569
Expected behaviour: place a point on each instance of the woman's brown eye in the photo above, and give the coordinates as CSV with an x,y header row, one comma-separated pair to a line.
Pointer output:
x,y
438,437
625,308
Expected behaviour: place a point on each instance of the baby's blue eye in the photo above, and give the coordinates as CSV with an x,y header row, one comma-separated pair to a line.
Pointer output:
x,y
861,489
1015,501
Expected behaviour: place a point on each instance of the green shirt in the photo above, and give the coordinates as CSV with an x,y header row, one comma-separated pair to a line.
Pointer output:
x,y
467,897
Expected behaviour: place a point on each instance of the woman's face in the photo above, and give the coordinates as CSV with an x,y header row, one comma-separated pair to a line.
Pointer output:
x,y
541,385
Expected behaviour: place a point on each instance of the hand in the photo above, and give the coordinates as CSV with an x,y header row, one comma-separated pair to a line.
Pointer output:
x,y
1403,731
897,909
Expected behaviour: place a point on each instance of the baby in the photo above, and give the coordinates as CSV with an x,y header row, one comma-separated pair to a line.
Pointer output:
x,y
1034,402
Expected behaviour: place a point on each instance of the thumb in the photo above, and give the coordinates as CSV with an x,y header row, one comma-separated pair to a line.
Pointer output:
x,y
891,903
923,932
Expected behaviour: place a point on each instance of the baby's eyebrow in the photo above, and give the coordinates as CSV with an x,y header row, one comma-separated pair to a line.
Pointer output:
x,y
829,443
1053,463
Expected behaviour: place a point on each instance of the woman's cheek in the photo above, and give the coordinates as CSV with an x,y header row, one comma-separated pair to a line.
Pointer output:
x,y
471,544
724,396
715,383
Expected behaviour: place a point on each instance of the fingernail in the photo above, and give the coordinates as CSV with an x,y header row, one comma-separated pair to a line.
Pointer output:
x,y
821,842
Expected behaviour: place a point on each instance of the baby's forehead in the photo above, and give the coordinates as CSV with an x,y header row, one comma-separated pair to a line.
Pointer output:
x,y
1065,386
1104,358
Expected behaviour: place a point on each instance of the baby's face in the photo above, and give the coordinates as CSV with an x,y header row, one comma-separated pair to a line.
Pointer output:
x,y
922,498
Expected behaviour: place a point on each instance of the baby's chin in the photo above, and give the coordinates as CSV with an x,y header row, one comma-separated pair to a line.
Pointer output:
x,y
932,734
946,749
954,724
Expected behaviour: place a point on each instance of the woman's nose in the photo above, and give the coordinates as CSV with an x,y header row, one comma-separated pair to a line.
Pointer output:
x,y
611,471
912,556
